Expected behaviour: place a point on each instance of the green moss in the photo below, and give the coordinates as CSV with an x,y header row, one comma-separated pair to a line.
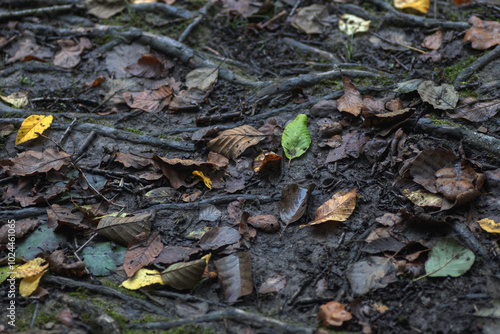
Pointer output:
x,y
136,131
101,40
451,72
187,329
44,318
80,293
468,93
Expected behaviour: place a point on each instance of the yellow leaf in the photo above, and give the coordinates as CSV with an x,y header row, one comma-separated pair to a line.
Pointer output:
x,y
338,208
421,6
351,24
489,225
205,179
31,268
32,125
17,99
29,284
143,277
422,197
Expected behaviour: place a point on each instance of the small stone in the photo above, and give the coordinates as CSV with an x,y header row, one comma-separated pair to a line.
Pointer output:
x,y
324,108
328,128
482,129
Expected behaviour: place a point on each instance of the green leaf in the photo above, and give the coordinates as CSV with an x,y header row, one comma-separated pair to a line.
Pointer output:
x,y
296,138
101,259
449,258
41,240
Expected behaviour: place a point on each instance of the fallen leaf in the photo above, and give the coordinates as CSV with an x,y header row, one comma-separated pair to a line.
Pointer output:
x,y
273,284
351,102
132,160
434,41
246,231
202,78
59,216
104,9
351,146
448,258
351,24
234,210
101,259
235,276
142,278
20,228
321,287
296,138
61,265
209,213
333,314
475,112
142,253
267,223
421,6
219,237
69,56
65,317
31,126
267,163
309,19
187,100
96,82
26,46
482,34
34,162
293,202
178,170
172,254
205,179
29,284
368,275
233,142
31,268
17,99
185,275
148,66
148,100
123,230
338,208
489,225
442,97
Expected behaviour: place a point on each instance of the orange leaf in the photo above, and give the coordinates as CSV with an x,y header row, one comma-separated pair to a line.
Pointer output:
x,y
338,208
333,314
482,34
32,126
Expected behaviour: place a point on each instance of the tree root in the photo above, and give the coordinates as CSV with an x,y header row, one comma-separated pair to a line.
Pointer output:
x,y
310,49
477,65
469,239
37,11
481,142
105,290
117,134
236,315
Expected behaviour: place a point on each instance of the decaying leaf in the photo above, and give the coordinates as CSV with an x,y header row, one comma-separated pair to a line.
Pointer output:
x,y
333,314
31,268
442,97
296,138
293,202
309,18
422,197
31,126
233,142
352,146
235,275
21,227
420,6
449,258
267,163
142,253
368,275
178,170
172,254
267,223
483,34
34,162
185,275
246,231
104,9
61,265
351,102
489,225
273,284
123,230
148,66
202,78
69,56
471,110
59,216
351,24
148,100
190,99
434,41
132,160
101,259
26,47
209,213
338,208
219,237
17,99
141,278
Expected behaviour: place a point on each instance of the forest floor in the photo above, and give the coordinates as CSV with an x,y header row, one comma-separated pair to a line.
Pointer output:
x,y
404,140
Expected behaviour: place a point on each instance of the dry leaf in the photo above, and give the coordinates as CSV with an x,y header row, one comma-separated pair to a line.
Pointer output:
x,y
434,41
338,208
149,101
489,225
142,253
34,162
421,6
351,102
69,56
273,284
333,314
31,126
442,97
123,230
233,142
351,24
202,78
147,66
267,223
235,276
143,277
293,202
17,99
483,34
309,18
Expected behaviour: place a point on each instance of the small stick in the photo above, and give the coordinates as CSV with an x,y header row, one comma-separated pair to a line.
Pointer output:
x,y
405,46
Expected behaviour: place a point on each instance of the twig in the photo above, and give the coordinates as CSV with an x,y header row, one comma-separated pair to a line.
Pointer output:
x,y
184,297
85,145
269,325
94,189
35,12
469,238
477,65
394,42
85,243
35,314
310,49
162,8
201,15
66,133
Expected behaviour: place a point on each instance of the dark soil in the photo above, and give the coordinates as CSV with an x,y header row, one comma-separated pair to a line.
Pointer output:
x,y
303,255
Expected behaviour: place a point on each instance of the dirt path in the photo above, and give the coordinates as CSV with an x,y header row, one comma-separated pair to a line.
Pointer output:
x,y
404,141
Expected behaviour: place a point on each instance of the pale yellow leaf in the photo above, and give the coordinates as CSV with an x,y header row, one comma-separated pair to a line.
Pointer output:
x,y
31,126
28,285
143,277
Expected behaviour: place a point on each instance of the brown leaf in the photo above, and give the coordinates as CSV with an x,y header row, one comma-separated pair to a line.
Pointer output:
x,y
460,183
142,253
333,314
34,162
217,159
483,34
148,100
61,265
96,82
20,228
351,101
369,274
475,112
178,170
6,129
123,230
427,163
235,276
66,317
434,41
273,284
59,216
147,66
352,146
267,163
442,96
267,223
234,210
69,56
132,160
246,231
173,254
293,202
26,46
338,208
321,287
188,100
219,237
233,142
